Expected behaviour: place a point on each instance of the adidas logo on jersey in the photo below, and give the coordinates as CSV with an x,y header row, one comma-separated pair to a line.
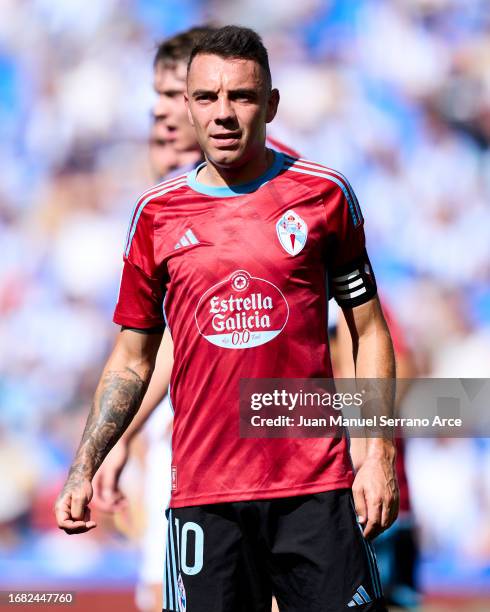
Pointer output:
x,y
359,598
188,238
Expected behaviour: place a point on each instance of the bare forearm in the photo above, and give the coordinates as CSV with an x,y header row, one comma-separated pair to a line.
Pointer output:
x,y
376,362
375,365
374,356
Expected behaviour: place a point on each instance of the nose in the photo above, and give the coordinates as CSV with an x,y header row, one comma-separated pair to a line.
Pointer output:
x,y
225,113
160,109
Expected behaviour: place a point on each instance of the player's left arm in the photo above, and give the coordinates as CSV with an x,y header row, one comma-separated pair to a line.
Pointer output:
x,y
353,285
375,487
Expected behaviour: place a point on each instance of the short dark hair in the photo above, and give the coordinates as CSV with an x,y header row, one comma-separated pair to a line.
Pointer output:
x,y
178,48
234,42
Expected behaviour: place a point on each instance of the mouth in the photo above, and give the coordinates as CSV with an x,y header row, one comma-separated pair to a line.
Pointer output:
x,y
171,133
226,139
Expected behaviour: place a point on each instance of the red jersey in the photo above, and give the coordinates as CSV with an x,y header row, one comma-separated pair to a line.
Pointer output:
x,y
242,277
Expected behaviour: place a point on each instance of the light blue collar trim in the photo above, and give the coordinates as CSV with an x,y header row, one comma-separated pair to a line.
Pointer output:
x,y
230,191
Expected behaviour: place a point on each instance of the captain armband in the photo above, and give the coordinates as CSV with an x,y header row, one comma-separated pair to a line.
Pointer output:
x,y
353,284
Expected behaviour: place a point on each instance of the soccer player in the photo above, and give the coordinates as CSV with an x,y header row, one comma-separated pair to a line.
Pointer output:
x,y
238,252
174,150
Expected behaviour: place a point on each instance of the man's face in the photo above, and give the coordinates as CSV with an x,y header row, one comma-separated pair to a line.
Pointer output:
x,y
170,114
229,104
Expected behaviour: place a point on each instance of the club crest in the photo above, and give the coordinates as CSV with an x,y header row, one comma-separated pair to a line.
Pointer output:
x,y
292,232
181,594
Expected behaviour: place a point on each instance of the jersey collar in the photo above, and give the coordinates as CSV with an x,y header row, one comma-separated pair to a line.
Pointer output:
x,y
230,191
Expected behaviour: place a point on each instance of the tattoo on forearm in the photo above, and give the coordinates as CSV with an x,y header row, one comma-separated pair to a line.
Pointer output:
x,y
117,400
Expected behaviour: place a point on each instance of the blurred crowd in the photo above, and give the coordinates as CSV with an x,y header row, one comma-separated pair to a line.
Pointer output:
x,y
394,94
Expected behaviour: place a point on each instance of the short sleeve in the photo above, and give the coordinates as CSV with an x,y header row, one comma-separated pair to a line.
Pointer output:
x,y
351,276
142,288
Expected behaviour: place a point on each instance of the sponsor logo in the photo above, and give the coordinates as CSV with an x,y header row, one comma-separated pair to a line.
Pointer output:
x,y
240,280
292,232
174,478
242,311
182,599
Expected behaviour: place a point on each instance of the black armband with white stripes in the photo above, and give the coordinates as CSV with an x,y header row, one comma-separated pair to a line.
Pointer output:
x,y
353,284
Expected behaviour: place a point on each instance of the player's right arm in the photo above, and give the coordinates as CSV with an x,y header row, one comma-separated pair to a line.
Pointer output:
x,y
107,495
127,373
117,399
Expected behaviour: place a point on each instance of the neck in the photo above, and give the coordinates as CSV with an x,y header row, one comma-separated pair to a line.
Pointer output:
x,y
217,176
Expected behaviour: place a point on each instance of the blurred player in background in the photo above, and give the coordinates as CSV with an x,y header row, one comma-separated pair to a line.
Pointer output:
x,y
169,113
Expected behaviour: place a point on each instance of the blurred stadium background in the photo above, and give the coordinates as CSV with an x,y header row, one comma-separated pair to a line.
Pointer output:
x,y
395,94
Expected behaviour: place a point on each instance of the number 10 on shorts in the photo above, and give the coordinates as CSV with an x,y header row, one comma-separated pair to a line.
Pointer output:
x,y
185,546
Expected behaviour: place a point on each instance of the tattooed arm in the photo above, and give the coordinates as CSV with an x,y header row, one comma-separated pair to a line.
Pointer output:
x,y
118,396
108,497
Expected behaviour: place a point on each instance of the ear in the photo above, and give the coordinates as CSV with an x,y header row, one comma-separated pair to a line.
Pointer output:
x,y
272,104
189,115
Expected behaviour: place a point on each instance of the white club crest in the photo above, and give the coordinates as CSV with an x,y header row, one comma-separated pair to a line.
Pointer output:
x,y
292,232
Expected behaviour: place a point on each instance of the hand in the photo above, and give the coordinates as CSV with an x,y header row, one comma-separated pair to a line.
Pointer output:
x,y
71,508
107,495
376,494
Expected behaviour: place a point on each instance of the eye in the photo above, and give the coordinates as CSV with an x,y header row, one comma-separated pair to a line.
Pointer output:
x,y
204,98
244,96
174,94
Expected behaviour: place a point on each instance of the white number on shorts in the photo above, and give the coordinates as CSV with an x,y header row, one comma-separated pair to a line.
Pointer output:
x,y
191,570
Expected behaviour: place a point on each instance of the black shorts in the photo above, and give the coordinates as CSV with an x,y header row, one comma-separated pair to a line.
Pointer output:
x,y
308,551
